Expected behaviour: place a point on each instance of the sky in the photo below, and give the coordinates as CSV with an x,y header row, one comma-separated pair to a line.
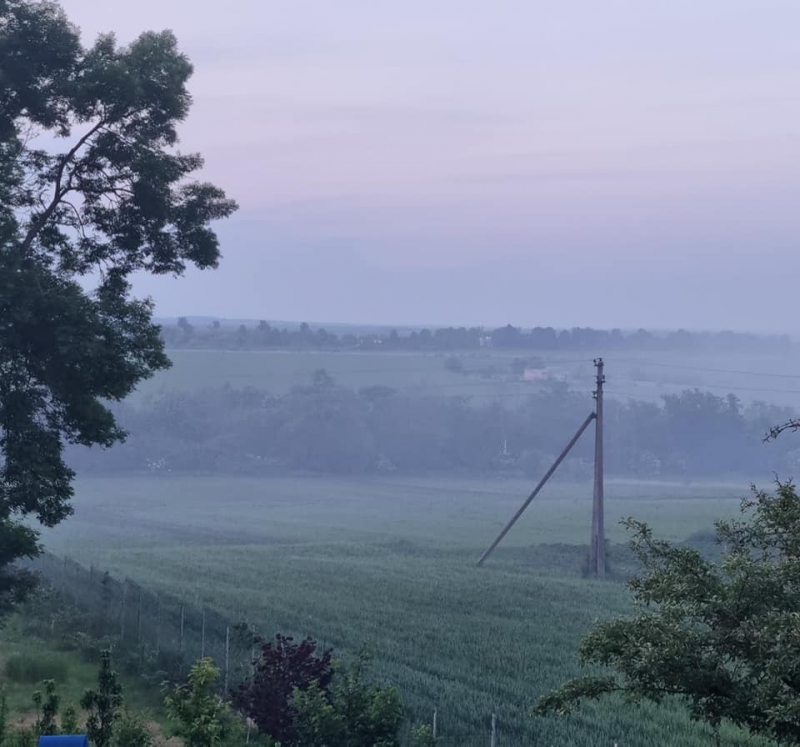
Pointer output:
x,y
629,163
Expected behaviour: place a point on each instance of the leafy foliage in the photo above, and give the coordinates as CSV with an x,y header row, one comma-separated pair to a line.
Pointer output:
x,y
203,718
69,720
351,713
46,709
103,704
131,730
423,736
722,636
282,669
112,197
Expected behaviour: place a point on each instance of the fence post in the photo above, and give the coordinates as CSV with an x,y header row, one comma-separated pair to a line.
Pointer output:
x,y
494,731
122,613
435,714
227,655
139,642
183,622
158,624
139,618
203,636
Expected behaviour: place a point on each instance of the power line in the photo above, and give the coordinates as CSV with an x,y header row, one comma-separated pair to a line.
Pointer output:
x,y
726,387
766,374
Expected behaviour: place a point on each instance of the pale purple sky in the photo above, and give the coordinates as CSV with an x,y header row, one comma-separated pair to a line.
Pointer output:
x,y
619,163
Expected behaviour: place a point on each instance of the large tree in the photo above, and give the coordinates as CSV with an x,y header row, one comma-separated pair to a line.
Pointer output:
x,y
92,190
720,631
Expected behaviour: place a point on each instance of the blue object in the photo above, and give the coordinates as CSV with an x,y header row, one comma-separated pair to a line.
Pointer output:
x,y
78,740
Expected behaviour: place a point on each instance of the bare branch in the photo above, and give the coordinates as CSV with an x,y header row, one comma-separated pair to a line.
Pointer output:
x,y
79,224
59,191
790,425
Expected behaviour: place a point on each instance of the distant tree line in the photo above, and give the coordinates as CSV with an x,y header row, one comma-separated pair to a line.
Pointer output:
x,y
263,335
326,428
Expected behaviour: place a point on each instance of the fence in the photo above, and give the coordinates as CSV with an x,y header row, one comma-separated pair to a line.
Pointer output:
x,y
164,633
155,626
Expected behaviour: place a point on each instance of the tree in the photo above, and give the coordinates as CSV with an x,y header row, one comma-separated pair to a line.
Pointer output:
x,y
103,703
46,709
203,719
111,197
351,713
69,721
723,635
186,328
282,669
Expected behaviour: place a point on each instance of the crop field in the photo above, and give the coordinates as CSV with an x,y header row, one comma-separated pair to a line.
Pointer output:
x,y
641,376
390,564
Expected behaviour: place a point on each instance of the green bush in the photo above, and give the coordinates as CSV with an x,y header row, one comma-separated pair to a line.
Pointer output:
x,y
32,667
422,736
131,731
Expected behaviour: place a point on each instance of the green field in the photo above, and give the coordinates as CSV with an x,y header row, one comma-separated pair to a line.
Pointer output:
x,y
640,376
25,661
279,371
391,564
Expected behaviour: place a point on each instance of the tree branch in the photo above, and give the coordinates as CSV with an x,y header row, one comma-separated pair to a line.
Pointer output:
x,y
58,192
775,431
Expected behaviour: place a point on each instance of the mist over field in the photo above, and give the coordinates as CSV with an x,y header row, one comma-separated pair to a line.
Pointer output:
x,y
449,340
311,471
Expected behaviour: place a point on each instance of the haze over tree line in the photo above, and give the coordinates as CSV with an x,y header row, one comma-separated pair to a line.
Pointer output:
x,y
325,428
264,335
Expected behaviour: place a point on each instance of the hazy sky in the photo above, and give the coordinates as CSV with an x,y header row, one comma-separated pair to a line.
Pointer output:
x,y
609,163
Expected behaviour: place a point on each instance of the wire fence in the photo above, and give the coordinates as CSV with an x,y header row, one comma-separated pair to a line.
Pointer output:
x,y
163,631
162,636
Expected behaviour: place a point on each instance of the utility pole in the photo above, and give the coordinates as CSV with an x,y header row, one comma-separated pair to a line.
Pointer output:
x,y
597,561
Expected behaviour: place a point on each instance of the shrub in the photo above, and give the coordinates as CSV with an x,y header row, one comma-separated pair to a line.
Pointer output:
x,y
131,730
69,720
422,736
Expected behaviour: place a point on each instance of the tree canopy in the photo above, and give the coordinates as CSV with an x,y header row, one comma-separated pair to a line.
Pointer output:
x,y
722,635
92,190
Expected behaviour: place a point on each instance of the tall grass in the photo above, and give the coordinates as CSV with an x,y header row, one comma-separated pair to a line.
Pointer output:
x,y
29,667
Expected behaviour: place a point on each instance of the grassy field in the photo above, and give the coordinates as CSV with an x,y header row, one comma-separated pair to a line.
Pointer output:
x,y
25,662
642,376
391,564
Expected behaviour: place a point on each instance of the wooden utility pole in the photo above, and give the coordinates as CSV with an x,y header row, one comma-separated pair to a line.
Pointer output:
x,y
597,560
